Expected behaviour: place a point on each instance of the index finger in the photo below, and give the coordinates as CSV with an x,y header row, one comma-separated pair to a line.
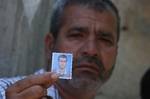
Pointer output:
x,y
44,80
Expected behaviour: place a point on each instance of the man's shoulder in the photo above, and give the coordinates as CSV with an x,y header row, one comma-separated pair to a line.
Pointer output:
x,y
6,82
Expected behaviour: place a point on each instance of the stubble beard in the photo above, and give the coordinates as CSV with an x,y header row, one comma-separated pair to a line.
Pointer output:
x,y
84,83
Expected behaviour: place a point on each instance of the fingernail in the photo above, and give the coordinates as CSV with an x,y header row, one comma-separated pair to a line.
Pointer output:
x,y
54,76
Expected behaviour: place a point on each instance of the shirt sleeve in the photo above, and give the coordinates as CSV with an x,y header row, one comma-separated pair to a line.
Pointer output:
x,y
2,91
5,83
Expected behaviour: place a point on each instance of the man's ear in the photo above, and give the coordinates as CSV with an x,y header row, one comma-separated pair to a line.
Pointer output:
x,y
49,43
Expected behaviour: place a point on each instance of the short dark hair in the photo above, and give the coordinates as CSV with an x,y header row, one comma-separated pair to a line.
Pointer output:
x,y
62,56
98,5
145,85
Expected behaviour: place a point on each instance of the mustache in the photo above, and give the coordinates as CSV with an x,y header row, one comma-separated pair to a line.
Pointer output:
x,y
90,59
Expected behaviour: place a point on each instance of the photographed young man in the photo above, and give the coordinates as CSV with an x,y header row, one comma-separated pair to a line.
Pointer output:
x,y
62,61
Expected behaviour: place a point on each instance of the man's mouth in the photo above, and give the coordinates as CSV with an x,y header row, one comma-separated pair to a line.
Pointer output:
x,y
86,67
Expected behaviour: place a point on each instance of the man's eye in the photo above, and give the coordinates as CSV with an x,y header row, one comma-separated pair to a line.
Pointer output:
x,y
106,41
75,35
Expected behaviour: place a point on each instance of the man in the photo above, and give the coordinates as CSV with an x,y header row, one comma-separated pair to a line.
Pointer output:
x,y
90,30
62,61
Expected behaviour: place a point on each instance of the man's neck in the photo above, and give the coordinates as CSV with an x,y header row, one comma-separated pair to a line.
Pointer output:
x,y
67,92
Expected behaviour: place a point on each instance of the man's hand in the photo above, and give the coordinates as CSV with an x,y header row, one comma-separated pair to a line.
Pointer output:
x,y
32,87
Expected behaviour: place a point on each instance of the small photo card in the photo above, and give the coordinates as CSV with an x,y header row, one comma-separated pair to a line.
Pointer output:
x,y
62,64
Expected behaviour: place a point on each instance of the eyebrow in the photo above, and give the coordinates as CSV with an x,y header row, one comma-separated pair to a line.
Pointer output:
x,y
79,29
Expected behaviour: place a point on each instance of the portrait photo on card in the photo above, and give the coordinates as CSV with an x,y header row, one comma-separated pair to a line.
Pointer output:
x,y
62,65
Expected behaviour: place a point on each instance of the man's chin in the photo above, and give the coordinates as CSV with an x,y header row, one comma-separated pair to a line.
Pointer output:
x,y
85,82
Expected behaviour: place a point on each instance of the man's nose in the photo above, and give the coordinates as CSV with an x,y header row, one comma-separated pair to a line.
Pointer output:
x,y
90,48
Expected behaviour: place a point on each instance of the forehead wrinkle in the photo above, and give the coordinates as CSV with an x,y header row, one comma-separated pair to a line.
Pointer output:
x,y
84,18
78,11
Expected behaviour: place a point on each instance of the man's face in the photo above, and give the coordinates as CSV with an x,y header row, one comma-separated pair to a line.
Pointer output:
x,y
92,38
62,62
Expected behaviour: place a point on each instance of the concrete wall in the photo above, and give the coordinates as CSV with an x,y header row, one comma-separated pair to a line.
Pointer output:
x,y
134,51
23,24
